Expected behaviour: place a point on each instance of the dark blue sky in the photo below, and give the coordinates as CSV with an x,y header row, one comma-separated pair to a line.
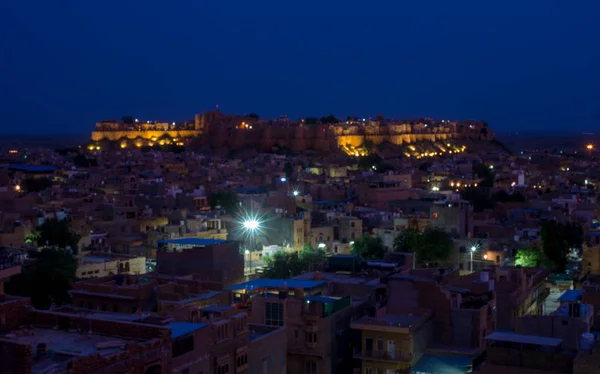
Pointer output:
x,y
527,64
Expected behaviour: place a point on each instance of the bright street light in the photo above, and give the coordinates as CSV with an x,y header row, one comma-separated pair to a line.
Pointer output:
x,y
283,179
473,249
247,252
251,224
321,245
295,193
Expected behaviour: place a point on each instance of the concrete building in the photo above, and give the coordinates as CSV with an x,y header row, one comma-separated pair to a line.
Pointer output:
x,y
453,217
314,323
173,297
590,262
101,264
568,323
509,352
62,342
392,342
208,260
519,292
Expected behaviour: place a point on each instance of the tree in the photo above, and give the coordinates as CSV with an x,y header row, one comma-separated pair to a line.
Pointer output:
x,y
529,257
253,115
47,279
82,161
311,258
330,119
430,246
482,171
557,239
54,233
288,169
36,184
285,265
369,247
225,199
311,120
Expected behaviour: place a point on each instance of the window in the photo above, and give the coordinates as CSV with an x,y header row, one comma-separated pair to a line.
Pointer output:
x,y
274,314
115,308
310,367
435,215
241,361
133,309
380,344
565,322
90,305
311,337
223,368
368,371
222,332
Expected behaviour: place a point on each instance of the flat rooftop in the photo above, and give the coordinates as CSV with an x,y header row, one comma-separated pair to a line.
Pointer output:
x,y
277,283
200,242
571,296
524,339
400,320
62,346
183,328
339,278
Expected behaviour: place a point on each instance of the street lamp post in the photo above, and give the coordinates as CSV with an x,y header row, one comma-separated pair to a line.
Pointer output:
x,y
473,249
251,225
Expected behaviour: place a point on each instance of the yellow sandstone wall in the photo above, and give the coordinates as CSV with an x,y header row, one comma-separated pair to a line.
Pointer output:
x,y
147,135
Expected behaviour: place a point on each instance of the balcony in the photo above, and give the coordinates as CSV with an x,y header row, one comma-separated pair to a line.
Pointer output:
x,y
389,356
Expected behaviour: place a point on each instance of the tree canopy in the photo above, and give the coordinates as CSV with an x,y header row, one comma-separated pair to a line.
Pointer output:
x,y
482,171
530,257
285,265
47,279
369,247
430,246
54,233
557,239
36,184
227,200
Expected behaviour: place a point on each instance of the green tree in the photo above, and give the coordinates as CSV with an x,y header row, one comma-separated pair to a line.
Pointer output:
x,y
557,239
227,200
54,233
47,279
285,265
529,257
433,245
36,184
311,258
369,247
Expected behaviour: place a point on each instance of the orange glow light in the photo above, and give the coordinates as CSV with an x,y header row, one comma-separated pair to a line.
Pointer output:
x,y
590,146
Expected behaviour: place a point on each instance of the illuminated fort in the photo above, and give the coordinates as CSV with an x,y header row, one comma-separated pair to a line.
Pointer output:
x,y
416,138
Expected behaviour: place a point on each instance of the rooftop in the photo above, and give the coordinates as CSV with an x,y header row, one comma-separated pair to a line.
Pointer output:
x,y
32,168
62,346
524,339
183,328
571,296
442,364
277,283
200,242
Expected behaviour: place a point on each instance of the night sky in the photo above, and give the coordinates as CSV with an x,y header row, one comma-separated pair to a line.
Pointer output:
x,y
527,64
